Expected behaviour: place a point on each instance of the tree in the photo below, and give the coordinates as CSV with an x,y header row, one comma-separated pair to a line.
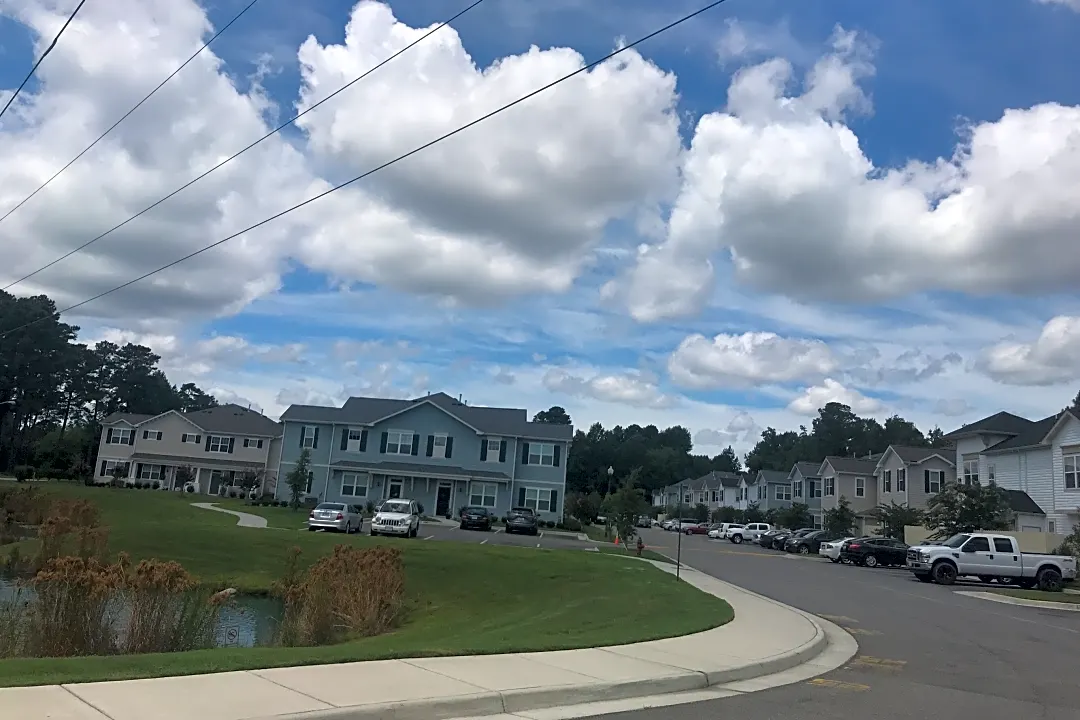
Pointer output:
x,y
936,438
894,517
554,415
583,506
297,478
839,520
192,398
251,480
184,474
960,508
624,507
727,461
1075,407
795,517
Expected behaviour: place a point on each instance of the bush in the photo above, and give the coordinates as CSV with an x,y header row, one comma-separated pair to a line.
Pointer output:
x,y
156,484
23,473
572,524
169,612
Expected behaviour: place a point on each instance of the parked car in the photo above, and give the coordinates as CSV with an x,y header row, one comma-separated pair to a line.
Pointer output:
x,y
750,532
644,521
335,516
696,529
475,517
522,520
809,543
874,552
766,538
721,532
781,539
989,557
396,517
831,548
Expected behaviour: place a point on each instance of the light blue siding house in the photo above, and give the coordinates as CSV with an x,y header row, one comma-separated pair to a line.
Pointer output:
x,y
435,450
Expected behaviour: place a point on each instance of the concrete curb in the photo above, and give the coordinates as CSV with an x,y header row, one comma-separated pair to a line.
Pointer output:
x,y
1023,602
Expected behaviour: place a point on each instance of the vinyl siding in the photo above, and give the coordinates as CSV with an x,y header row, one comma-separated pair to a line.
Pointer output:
x,y
1062,500
917,497
892,463
813,502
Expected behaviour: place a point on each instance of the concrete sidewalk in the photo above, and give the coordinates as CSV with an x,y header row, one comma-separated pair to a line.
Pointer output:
x,y
764,638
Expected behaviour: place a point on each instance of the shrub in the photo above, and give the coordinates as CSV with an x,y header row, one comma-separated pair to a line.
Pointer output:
x,y
353,592
156,484
168,610
72,614
572,524
23,473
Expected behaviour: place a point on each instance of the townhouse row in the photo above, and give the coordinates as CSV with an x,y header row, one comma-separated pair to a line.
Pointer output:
x,y
436,450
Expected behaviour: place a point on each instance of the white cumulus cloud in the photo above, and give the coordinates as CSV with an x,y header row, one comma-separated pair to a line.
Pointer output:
x,y
818,396
748,359
630,388
1052,358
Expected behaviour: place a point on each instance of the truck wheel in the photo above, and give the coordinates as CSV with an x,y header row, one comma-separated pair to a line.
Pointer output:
x,y
925,577
736,539
1049,580
835,559
944,573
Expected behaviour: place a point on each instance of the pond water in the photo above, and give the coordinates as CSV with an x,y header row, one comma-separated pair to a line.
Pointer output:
x,y
245,621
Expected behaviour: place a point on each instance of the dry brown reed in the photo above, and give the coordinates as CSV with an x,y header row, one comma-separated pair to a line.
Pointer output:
x,y
167,610
73,612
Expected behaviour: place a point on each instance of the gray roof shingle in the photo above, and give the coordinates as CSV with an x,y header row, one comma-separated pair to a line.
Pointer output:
x,y
129,418
1003,423
512,422
917,455
1032,435
856,466
772,476
229,419
808,469
1021,502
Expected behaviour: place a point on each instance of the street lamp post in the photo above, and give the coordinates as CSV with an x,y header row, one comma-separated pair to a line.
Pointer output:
x,y
678,549
610,474
607,520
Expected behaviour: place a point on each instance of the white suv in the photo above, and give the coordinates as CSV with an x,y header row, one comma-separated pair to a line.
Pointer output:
x,y
396,517
750,531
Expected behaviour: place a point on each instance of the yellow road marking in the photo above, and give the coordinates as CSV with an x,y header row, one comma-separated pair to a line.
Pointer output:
x,y
880,663
839,685
840,619
861,631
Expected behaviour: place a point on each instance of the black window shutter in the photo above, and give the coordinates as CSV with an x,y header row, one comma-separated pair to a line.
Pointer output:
x,y
103,467
303,434
524,453
198,439
315,440
108,438
382,443
502,451
131,438
554,500
926,481
483,449
558,452
430,445
363,440
521,497
449,447
344,438
231,441
145,434
206,448
415,444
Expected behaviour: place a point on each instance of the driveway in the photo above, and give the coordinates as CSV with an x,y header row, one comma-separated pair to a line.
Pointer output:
x,y
925,651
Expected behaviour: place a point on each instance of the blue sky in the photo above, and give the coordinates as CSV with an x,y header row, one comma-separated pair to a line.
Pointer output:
x,y
935,69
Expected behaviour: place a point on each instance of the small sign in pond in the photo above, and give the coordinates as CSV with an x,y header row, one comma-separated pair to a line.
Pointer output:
x,y
232,635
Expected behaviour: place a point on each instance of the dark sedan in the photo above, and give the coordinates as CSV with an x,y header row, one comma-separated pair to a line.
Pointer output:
x,y
809,543
765,539
522,520
874,552
779,542
475,518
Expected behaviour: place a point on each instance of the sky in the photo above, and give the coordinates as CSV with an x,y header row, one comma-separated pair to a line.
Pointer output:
x,y
775,205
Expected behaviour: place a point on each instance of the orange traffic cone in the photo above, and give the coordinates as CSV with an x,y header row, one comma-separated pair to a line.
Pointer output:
x,y
616,538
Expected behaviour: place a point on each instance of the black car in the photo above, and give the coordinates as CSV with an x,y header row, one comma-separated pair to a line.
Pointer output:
x,y
810,543
765,539
780,541
874,552
478,518
521,520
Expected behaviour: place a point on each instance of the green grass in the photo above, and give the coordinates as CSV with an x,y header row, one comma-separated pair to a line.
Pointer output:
x,y
1058,597
462,598
279,517
647,554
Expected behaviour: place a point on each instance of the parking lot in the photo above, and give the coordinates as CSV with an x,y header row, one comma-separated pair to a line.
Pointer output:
x,y
498,536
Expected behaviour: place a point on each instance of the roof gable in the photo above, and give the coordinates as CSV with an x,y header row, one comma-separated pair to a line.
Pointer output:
x,y
772,476
1002,423
131,419
1063,420
1034,435
180,415
910,455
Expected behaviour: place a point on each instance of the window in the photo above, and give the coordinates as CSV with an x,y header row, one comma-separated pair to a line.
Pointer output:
x,y
191,438
151,434
991,472
935,479
108,466
1003,545
901,480
760,492
815,488
310,480
797,488
782,492
494,449
701,497
977,544
538,499
686,498
399,442
354,485
119,436
971,471
483,495
1051,527
541,454
817,522
860,486
886,479
716,496
253,443
438,446
1071,463
309,437
151,472
219,444
830,486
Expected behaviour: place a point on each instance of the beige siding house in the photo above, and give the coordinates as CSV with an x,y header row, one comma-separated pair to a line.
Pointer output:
x,y
217,444
910,476
852,479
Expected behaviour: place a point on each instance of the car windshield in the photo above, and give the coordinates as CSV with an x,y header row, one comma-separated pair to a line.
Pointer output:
x,y
956,540
392,506
330,506
521,511
476,510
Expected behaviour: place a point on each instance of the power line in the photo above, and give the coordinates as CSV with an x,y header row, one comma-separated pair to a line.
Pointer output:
x,y
374,170
229,159
128,113
43,56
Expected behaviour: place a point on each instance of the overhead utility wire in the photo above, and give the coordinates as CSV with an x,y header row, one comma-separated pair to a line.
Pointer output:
x,y
229,159
43,56
128,113
374,170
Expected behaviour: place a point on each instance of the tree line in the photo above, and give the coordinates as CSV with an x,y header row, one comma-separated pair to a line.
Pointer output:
x,y
54,391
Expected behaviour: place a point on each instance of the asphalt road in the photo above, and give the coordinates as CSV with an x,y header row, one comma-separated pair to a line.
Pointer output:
x,y
499,536
924,651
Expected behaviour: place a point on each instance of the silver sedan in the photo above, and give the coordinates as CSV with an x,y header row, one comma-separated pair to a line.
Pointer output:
x,y
335,516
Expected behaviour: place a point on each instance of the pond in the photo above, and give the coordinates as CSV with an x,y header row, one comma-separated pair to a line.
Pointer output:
x,y
245,621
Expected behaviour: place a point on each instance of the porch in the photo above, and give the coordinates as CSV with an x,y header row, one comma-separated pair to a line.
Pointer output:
x,y
441,490
210,475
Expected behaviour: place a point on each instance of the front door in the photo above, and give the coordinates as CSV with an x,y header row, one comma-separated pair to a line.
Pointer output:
x,y
393,488
442,500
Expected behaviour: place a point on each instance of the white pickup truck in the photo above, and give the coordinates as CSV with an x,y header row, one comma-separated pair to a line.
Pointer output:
x,y
990,557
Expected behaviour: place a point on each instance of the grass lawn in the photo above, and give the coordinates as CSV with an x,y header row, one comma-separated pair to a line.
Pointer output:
x,y
282,517
1060,597
463,598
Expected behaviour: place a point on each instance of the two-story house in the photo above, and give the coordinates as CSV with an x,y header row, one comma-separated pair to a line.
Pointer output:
x,y
771,490
852,479
217,444
805,480
910,476
1040,458
717,489
438,451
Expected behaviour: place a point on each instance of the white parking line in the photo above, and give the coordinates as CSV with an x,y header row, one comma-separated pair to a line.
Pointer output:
x,y
429,537
537,544
541,534
499,531
484,542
